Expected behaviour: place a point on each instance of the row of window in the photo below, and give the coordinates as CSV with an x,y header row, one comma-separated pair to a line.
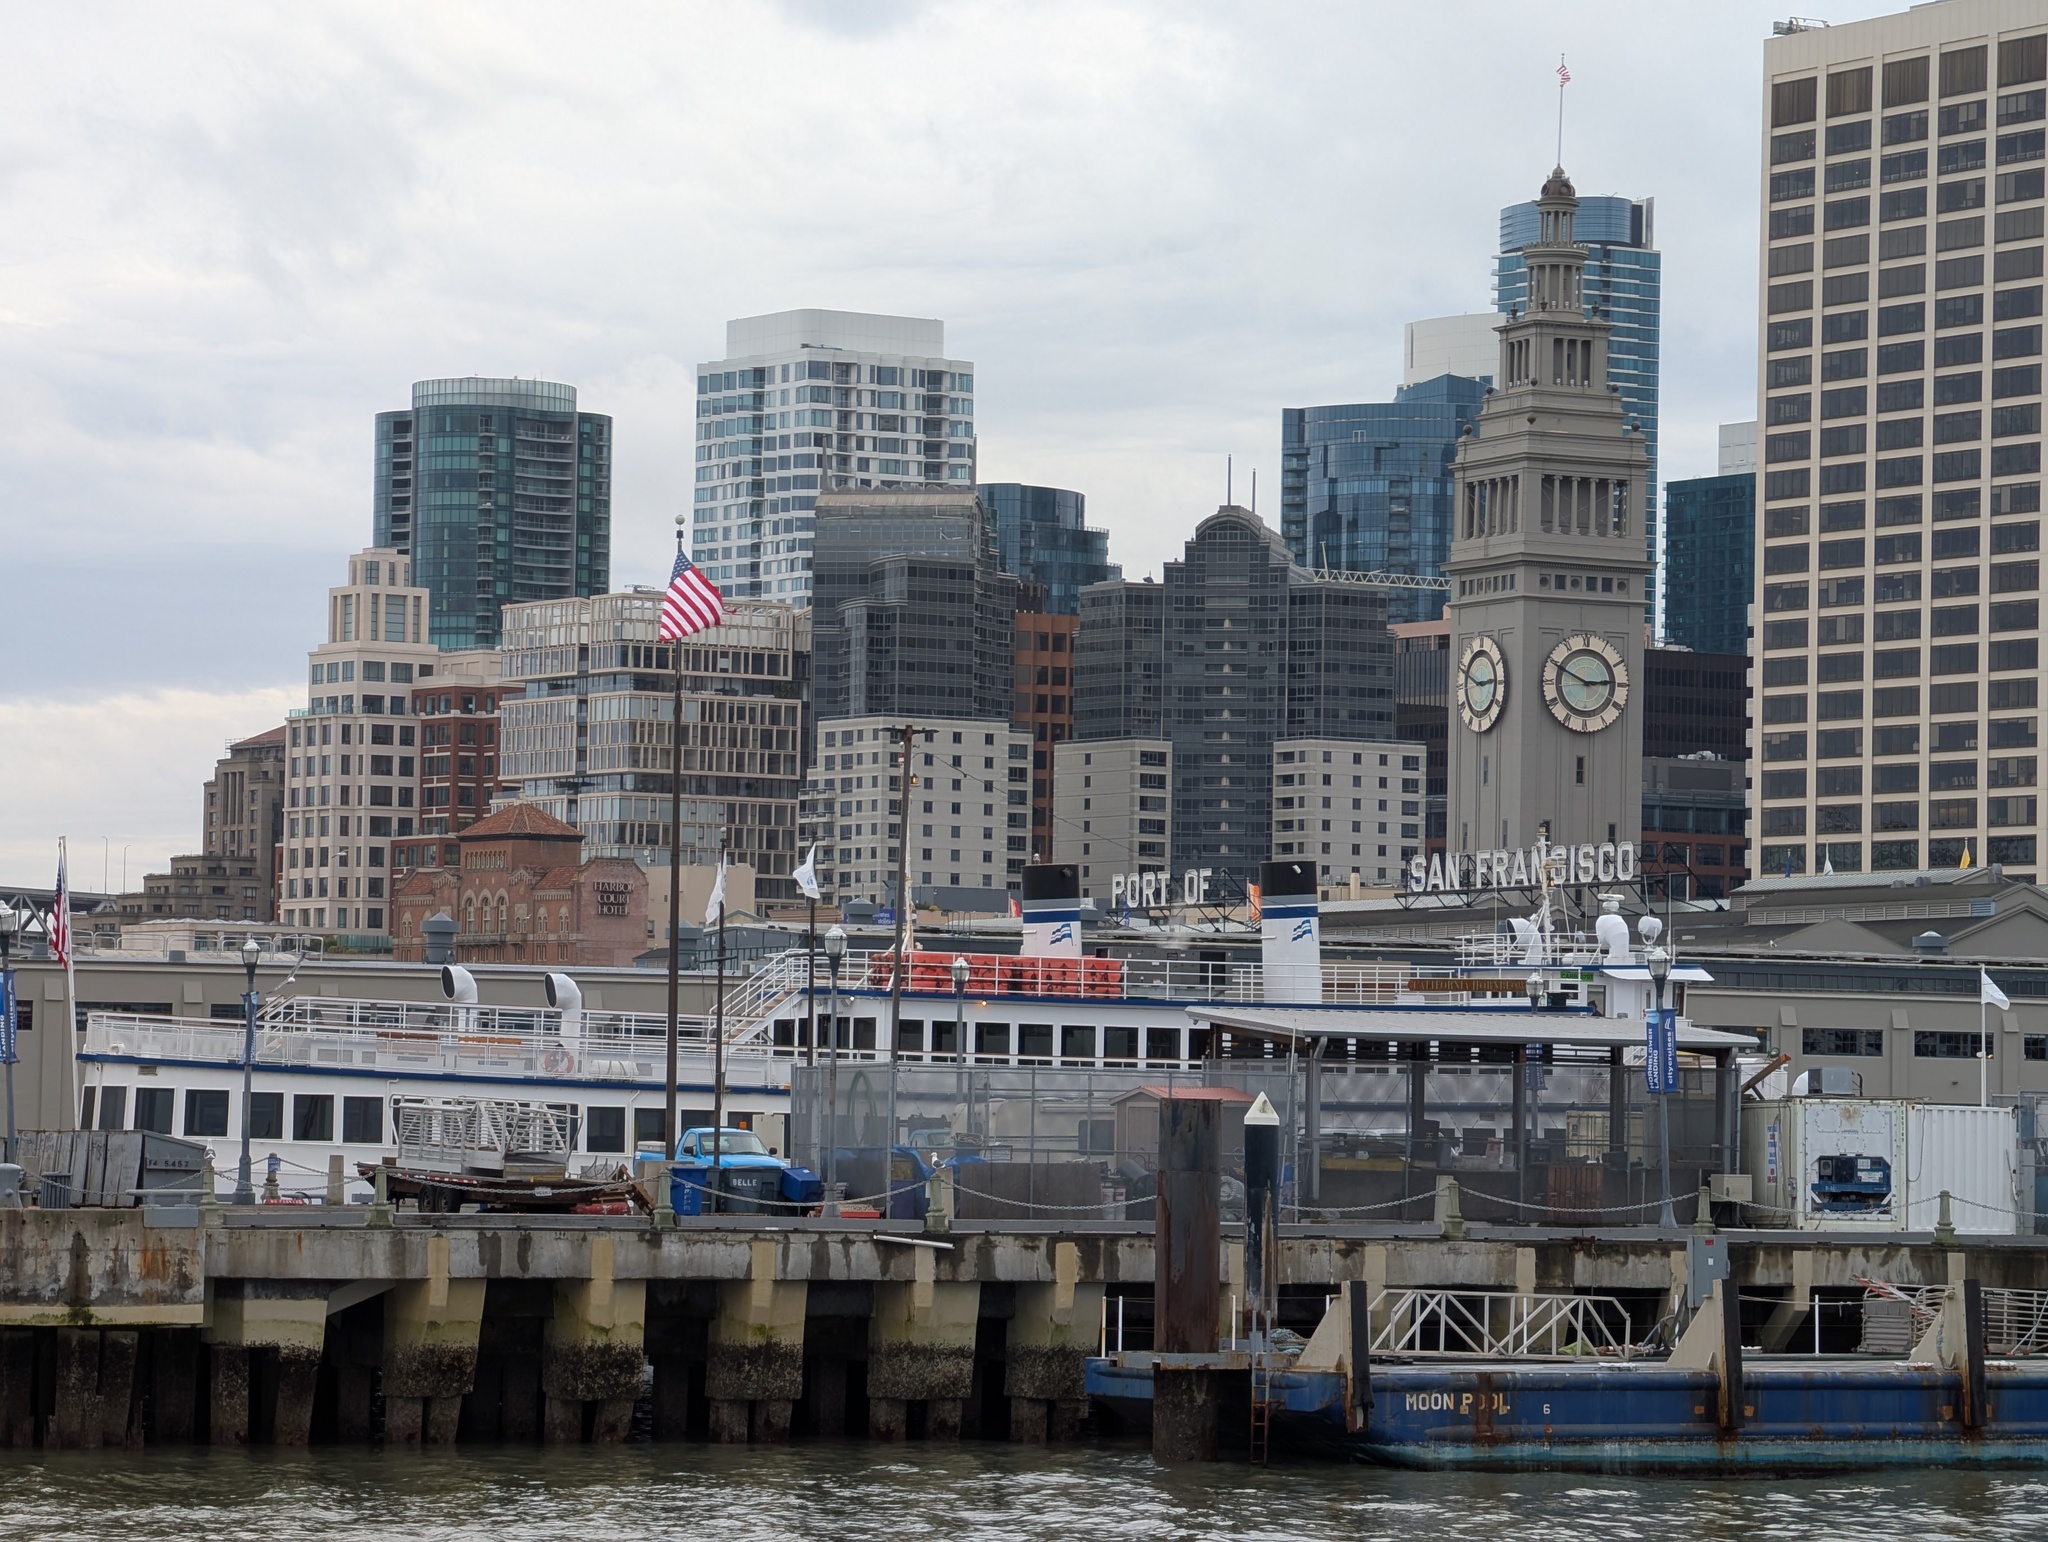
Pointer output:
x,y
1928,1044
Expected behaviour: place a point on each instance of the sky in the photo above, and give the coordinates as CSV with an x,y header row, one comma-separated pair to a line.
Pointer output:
x,y
231,234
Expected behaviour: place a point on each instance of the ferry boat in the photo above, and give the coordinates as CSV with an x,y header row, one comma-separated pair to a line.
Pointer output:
x,y
334,1074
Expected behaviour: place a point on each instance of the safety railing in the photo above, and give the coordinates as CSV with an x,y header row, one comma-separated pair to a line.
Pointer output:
x,y
1436,1324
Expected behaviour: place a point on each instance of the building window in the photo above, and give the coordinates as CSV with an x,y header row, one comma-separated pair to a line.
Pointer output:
x,y
1931,1045
1841,1041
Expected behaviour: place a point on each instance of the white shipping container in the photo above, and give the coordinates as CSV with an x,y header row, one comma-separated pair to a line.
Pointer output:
x,y
1974,1154
1971,1152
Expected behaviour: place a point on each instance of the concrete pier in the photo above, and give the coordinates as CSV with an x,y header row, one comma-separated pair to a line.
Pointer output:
x,y
289,1326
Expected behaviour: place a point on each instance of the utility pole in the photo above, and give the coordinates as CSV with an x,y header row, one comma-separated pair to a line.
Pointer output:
x,y
904,782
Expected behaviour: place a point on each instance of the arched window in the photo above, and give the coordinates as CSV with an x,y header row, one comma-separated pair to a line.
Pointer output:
x,y
469,914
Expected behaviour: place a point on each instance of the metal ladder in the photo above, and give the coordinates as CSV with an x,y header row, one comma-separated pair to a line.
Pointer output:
x,y
1261,1422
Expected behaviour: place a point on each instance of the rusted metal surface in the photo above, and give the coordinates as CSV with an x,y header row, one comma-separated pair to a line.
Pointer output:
x,y
1185,1286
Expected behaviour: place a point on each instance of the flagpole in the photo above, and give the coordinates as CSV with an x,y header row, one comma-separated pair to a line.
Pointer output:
x,y
811,982
1983,1045
675,885
70,1038
718,1032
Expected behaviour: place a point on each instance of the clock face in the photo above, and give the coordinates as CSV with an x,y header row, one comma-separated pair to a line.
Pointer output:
x,y
1585,683
1482,684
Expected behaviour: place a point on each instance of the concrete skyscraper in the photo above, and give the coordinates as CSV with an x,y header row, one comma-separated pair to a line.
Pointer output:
x,y
500,491
805,402
1899,392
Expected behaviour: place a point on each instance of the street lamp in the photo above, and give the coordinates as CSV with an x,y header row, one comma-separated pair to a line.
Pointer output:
x,y
1659,964
245,1193
960,974
10,925
835,954
1533,989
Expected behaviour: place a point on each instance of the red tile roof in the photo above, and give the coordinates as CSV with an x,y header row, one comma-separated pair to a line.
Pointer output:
x,y
522,820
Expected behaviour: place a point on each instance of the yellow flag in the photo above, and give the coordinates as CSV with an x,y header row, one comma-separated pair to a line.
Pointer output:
x,y
1966,855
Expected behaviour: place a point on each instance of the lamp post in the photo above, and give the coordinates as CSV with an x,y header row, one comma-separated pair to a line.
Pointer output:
x,y
960,975
245,1193
835,954
1659,963
10,925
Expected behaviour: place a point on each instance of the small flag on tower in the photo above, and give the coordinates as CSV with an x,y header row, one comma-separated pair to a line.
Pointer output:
x,y
806,876
1564,76
692,603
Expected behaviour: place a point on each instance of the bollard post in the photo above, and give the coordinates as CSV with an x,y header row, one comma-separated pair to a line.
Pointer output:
x,y
1944,1224
337,1193
380,1206
209,1197
1454,1218
938,1210
664,1199
271,1195
1703,1219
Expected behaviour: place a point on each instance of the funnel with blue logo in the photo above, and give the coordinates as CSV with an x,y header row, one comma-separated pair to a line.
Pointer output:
x,y
1052,910
1290,932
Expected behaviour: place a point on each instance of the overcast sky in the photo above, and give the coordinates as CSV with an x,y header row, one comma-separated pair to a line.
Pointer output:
x,y
230,234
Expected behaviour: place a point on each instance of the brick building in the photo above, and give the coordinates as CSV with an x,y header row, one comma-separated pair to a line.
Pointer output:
x,y
1044,707
458,752
521,893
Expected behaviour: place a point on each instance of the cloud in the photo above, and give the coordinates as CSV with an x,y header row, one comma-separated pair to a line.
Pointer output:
x,y
234,233
121,775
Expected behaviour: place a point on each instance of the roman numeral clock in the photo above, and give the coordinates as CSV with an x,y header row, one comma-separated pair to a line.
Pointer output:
x,y
1549,577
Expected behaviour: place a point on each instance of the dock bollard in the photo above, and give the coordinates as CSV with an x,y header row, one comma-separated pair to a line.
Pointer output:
x,y
1703,1219
938,1209
664,1200
380,1205
1453,1217
209,1196
337,1192
1944,1224
271,1193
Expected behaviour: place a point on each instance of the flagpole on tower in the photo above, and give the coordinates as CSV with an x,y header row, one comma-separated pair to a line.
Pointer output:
x,y
1564,78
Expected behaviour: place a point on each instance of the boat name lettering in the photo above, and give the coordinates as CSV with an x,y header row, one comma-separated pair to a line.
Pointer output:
x,y
1523,868
1465,1403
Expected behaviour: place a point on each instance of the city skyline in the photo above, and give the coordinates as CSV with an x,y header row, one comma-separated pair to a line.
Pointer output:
x,y
215,287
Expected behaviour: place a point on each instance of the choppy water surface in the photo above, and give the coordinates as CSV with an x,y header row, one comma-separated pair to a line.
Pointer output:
x,y
970,1494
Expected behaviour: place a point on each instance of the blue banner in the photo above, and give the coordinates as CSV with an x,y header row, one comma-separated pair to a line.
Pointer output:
x,y
1660,1063
8,1053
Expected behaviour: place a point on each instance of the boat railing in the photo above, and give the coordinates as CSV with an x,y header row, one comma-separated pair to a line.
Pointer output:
x,y
1463,1324
454,1132
483,1048
930,972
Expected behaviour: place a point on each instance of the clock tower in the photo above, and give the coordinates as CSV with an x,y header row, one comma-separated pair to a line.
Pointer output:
x,y
1548,577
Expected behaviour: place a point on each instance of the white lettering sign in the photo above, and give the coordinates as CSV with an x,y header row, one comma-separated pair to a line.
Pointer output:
x,y
1523,868
1154,890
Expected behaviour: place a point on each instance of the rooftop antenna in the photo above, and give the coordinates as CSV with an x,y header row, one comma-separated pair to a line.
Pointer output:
x,y
1255,489
1564,78
1227,496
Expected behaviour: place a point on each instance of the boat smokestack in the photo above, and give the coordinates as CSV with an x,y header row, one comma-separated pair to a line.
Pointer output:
x,y
1052,910
1290,931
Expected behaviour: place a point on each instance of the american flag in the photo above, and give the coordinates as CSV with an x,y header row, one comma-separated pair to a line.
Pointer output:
x,y
692,604
60,916
1564,76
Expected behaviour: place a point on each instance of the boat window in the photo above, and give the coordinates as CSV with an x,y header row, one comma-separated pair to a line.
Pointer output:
x,y
113,1108
910,1036
312,1116
1162,1044
1120,1044
992,1038
1077,1042
265,1116
206,1111
607,1130
153,1107
1035,1040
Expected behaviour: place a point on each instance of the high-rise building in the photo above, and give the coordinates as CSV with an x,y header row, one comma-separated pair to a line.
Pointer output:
x,y
1709,561
967,820
810,400
1622,286
1367,487
589,741
1250,648
244,816
1113,811
1044,707
500,491
1042,536
1899,392
1450,345
352,756
1355,811
911,616
1547,572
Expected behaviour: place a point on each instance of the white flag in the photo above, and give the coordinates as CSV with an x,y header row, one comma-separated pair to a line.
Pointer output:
x,y
807,876
1828,869
1990,995
715,909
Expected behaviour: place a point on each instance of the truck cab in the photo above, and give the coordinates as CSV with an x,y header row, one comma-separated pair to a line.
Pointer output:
x,y
731,1172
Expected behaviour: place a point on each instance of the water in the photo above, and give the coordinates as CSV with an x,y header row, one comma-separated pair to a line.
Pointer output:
x,y
971,1493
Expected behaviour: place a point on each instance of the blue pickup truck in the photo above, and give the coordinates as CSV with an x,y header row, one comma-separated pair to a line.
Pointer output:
x,y
751,1180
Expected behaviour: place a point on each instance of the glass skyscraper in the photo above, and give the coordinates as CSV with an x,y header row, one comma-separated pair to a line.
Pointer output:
x,y
1623,284
807,401
1709,562
1369,486
1042,536
501,492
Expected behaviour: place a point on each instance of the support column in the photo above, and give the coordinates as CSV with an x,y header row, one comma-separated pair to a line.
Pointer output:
x,y
594,1351
173,1367
921,1350
1521,1131
17,1388
754,1352
431,1327
259,1315
1052,1333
